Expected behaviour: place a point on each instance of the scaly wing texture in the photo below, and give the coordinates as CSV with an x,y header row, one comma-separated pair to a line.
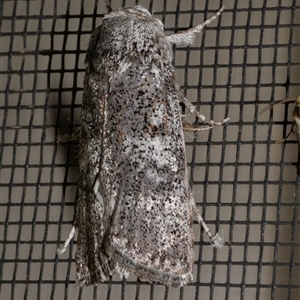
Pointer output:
x,y
92,265
150,230
132,154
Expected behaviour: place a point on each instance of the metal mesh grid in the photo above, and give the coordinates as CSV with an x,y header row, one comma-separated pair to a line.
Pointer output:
x,y
244,183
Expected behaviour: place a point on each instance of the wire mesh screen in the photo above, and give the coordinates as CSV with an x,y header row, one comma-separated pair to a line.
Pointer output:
x,y
244,183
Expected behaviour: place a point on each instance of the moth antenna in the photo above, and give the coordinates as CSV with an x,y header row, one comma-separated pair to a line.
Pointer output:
x,y
274,104
108,6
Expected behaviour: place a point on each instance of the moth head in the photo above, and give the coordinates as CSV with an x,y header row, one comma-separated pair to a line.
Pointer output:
x,y
137,12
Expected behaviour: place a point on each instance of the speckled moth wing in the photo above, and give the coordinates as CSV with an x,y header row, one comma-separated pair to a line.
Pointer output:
x,y
148,196
134,207
92,263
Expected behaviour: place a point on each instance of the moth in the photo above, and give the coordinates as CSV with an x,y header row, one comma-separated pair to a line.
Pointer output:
x,y
134,210
295,126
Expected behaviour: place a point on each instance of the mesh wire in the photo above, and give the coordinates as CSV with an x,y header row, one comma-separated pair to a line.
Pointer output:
x,y
245,185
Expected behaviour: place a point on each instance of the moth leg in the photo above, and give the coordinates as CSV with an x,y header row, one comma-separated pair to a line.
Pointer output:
x,y
62,250
190,127
64,138
187,37
194,110
216,240
269,107
283,140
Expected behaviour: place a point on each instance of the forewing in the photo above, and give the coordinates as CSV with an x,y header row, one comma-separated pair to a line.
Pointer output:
x,y
143,178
